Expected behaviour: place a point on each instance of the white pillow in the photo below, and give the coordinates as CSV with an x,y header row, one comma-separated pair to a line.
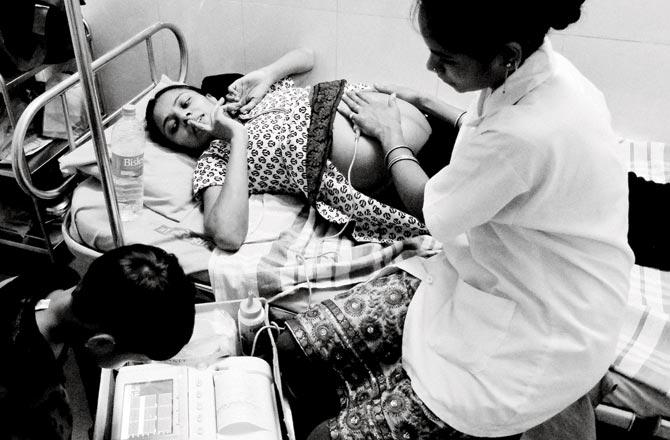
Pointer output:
x,y
141,105
167,174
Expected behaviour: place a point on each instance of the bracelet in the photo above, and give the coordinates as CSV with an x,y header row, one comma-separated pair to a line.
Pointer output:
x,y
458,120
399,158
388,153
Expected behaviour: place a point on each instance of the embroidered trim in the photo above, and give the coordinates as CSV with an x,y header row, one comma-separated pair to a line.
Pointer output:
x,y
325,99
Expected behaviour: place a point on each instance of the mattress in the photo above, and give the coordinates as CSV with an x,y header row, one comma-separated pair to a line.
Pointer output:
x,y
269,215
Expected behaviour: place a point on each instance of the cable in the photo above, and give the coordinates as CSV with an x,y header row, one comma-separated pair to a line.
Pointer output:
x,y
247,117
357,136
269,326
301,257
272,326
253,229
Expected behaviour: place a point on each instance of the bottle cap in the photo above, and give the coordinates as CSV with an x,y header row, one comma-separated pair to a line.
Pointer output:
x,y
251,308
128,110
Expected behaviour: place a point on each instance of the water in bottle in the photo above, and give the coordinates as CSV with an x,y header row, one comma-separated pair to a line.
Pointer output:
x,y
127,163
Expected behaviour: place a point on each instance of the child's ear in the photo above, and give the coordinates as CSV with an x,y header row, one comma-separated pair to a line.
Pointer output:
x,y
101,344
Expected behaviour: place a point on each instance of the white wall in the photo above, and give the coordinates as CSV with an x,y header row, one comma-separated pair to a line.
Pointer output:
x,y
622,45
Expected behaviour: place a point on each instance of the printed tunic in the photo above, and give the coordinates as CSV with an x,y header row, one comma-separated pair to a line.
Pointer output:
x,y
277,152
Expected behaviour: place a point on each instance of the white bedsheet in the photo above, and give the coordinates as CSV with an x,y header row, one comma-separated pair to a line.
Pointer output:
x,y
268,216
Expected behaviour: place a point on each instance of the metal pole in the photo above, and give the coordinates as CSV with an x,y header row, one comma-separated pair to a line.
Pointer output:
x,y
83,57
8,102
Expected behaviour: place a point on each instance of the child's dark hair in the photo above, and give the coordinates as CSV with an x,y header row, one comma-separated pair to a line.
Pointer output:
x,y
154,132
140,295
480,28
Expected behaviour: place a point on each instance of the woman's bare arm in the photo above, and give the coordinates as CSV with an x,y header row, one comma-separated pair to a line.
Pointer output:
x,y
409,178
441,110
226,207
247,91
427,104
382,120
294,62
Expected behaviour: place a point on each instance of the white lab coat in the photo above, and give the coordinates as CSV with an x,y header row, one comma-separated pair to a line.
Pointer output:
x,y
519,315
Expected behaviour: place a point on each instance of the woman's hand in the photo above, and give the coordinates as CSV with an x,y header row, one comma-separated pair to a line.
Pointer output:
x,y
246,92
424,103
378,119
407,94
221,126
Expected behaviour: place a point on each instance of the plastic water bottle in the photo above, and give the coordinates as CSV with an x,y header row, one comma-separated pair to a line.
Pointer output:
x,y
128,163
250,318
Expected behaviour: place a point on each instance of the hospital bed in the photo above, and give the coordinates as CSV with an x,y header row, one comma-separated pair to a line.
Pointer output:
x,y
289,258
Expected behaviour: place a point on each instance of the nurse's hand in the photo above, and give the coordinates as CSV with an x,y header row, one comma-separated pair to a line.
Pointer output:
x,y
376,118
407,94
221,126
246,92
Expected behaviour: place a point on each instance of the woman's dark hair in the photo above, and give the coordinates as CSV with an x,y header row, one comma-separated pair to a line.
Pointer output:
x,y
481,28
154,132
140,295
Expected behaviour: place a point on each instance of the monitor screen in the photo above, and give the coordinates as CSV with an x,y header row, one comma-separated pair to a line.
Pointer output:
x,y
147,409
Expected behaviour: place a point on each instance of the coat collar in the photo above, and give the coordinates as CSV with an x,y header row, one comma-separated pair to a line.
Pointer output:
x,y
537,68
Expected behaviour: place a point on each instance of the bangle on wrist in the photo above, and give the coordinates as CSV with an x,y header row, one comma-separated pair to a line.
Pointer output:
x,y
399,158
458,120
392,149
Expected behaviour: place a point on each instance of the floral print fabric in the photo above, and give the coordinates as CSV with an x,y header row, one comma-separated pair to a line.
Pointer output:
x,y
277,158
359,334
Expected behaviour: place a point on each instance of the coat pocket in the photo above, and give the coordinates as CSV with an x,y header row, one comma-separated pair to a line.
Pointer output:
x,y
471,327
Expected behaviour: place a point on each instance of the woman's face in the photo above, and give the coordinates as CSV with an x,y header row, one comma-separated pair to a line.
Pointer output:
x,y
460,71
175,108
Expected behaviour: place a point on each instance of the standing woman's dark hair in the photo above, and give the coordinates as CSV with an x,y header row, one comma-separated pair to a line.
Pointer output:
x,y
480,28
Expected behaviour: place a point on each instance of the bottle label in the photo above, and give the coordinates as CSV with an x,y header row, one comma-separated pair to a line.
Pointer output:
x,y
127,166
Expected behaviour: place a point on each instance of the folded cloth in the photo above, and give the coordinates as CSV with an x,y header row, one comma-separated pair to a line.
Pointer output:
x,y
643,348
307,263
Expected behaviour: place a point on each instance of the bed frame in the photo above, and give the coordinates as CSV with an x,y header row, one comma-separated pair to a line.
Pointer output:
x,y
58,92
615,417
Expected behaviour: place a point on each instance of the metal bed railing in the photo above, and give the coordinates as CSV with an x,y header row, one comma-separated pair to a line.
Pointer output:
x,y
20,165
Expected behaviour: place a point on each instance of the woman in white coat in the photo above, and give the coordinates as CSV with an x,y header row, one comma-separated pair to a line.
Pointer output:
x,y
518,317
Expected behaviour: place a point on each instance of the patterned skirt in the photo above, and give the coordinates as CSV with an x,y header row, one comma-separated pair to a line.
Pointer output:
x,y
359,334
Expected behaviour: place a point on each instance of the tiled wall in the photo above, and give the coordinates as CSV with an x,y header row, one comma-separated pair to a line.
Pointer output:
x,y
622,45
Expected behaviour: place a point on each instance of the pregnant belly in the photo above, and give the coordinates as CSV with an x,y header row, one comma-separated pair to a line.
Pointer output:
x,y
369,173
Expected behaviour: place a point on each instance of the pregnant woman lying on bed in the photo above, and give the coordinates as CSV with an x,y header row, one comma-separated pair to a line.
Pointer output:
x,y
268,136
